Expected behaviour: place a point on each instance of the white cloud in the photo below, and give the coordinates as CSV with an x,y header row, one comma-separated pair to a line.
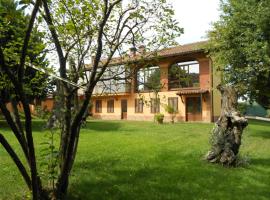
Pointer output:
x,y
195,16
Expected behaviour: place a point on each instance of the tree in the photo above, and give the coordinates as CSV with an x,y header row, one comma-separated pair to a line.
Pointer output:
x,y
12,27
227,133
17,49
240,44
81,30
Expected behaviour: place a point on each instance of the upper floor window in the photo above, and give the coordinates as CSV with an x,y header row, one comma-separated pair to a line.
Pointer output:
x,y
114,80
148,79
184,75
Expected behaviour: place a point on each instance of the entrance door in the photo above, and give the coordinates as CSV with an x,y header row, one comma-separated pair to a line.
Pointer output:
x,y
123,109
193,109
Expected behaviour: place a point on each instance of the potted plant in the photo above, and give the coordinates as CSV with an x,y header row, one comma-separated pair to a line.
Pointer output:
x,y
159,117
169,109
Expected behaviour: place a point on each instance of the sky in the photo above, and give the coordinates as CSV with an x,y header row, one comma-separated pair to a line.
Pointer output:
x,y
195,16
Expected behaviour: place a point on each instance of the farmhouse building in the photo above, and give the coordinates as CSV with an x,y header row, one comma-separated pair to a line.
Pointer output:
x,y
184,75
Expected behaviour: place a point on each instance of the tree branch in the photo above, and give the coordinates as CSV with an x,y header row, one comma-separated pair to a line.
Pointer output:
x,y
49,21
16,160
26,40
20,137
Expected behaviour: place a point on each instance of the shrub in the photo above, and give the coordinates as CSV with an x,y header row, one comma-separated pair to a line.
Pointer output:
x,y
42,113
242,107
159,118
268,113
169,109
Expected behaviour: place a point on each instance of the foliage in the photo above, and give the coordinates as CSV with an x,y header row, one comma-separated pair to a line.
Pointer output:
x,y
41,113
170,109
13,24
49,158
159,118
77,31
153,81
240,45
268,113
242,107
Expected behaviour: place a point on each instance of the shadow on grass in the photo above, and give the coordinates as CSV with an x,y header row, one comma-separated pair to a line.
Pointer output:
x,y
97,126
102,126
262,134
258,122
37,125
264,162
111,179
259,129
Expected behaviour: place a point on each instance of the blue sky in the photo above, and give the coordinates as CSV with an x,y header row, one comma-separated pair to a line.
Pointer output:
x,y
195,16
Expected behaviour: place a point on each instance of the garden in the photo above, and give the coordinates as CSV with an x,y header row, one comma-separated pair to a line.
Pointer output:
x,y
142,160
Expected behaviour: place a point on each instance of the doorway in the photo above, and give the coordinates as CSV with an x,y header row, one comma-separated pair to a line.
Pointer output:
x,y
123,109
193,109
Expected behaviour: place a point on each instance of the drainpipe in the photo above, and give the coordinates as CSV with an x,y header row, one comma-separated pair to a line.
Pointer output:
x,y
212,89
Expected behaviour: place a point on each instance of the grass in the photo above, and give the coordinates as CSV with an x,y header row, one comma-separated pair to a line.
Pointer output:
x,y
142,160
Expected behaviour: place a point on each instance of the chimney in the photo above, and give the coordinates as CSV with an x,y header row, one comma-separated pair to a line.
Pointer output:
x,y
132,51
142,49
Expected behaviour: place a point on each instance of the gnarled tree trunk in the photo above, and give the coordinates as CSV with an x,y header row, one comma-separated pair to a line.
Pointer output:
x,y
227,133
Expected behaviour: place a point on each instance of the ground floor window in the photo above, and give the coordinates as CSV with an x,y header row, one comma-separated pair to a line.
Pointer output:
x,y
98,106
155,105
110,106
138,106
173,103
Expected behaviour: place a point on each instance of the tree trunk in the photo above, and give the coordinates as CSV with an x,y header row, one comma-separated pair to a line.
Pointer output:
x,y
227,133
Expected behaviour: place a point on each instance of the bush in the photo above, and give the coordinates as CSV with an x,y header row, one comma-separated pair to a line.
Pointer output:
x,y
242,107
42,113
169,109
159,118
268,113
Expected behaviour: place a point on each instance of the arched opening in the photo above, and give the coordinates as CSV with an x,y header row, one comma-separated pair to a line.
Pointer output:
x,y
184,75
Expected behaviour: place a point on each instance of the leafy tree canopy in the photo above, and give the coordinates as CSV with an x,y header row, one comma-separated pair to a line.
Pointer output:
x,y
13,25
240,46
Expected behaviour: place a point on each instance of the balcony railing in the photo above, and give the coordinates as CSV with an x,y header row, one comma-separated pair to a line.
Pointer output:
x,y
112,89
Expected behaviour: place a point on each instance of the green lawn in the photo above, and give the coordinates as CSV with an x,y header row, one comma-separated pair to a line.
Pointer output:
x,y
143,160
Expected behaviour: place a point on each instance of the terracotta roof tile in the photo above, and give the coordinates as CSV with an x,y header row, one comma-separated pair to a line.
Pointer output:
x,y
183,49
192,91
173,51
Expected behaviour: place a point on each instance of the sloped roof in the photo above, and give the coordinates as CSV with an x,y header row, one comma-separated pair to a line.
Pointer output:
x,y
183,49
192,91
168,52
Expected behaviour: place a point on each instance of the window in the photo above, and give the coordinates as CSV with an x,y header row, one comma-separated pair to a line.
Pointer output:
x,y
155,105
138,106
110,106
173,102
114,80
184,75
148,79
98,106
